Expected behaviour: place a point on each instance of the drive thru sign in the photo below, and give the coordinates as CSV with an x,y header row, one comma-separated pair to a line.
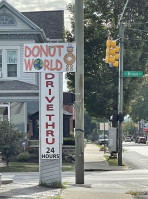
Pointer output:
x,y
50,58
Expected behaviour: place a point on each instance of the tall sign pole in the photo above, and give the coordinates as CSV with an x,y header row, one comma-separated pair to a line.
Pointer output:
x,y
79,93
50,59
120,92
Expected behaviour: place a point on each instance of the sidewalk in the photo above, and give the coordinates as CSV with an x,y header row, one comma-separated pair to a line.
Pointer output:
x,y
93,161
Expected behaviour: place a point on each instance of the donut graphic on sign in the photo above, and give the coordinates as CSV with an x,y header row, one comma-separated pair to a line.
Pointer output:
x,y
69,58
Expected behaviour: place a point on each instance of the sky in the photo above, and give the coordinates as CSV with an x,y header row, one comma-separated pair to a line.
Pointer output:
x,y
45,5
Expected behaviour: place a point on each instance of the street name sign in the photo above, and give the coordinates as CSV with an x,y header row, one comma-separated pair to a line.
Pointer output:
x,y
132,73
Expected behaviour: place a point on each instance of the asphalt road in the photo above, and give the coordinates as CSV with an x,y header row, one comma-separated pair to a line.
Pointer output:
x,y
135,155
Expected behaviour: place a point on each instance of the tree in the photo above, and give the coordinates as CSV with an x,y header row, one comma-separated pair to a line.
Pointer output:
x,y
10,140
90,126
128,128
139,108
101,81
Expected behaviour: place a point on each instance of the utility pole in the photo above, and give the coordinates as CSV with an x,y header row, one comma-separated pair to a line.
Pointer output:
x,y
79,93
120,92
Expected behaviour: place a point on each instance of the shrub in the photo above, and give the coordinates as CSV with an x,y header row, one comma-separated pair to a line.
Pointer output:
x,y
69,141
22,157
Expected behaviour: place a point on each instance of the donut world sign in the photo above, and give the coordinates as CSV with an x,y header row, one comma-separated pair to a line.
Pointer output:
x,y
50,57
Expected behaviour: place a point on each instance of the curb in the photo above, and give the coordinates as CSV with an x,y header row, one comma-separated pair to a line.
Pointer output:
x,y
6,181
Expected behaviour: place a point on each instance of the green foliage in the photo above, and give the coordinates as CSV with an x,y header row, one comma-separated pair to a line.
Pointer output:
x,y
139,108
101,81
90,127
69,141
10,140
54,184
22,157
128,128
20,167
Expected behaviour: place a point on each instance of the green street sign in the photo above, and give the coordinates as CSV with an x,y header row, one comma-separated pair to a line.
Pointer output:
x,y
132,73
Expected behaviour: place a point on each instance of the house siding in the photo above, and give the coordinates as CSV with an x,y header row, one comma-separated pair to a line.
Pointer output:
x,y
25,77
19,23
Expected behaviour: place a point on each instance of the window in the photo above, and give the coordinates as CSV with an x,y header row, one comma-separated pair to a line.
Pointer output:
x,y
11,63
7,19
4,112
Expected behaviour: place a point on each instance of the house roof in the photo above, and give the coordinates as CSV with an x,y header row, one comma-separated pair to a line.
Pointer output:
x,y
66,113
49,23
16,85
18,91
52,22
18,14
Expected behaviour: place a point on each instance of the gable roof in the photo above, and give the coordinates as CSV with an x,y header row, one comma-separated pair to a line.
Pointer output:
x,y
16,85
18,14
52,22
11,91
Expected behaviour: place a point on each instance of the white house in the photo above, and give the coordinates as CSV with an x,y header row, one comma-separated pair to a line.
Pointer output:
x,y
19,92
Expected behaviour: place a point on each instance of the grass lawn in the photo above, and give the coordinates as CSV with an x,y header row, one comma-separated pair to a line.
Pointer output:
x,y
20,167
30,167
111,161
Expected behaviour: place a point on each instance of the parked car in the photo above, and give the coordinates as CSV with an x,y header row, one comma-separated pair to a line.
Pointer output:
x,y
128,139
142,140
102,141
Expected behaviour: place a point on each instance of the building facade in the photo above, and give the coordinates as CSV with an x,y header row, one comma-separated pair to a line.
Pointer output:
x,y
19,91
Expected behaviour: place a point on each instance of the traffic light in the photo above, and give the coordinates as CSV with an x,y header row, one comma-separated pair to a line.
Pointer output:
x,y
112,53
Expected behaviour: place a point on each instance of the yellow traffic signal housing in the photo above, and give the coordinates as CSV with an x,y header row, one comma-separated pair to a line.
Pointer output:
x,y
112,53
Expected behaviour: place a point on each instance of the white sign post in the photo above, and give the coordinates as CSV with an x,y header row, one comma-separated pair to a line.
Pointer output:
x,y
50,115
50,59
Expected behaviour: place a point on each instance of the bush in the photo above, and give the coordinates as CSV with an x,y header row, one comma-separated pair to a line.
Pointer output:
x,y
69,141
22,157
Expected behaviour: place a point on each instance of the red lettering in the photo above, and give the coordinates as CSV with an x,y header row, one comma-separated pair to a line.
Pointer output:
x,y
46,64
58,65
35,51
50,132
59,48
49,91
49,83
50,107
50,125
53,141
45,51
27,51
49,117
49,100
28,65
52,54
49,75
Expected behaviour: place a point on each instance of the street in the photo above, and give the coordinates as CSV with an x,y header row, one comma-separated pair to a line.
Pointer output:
x,y
135,155
135,179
